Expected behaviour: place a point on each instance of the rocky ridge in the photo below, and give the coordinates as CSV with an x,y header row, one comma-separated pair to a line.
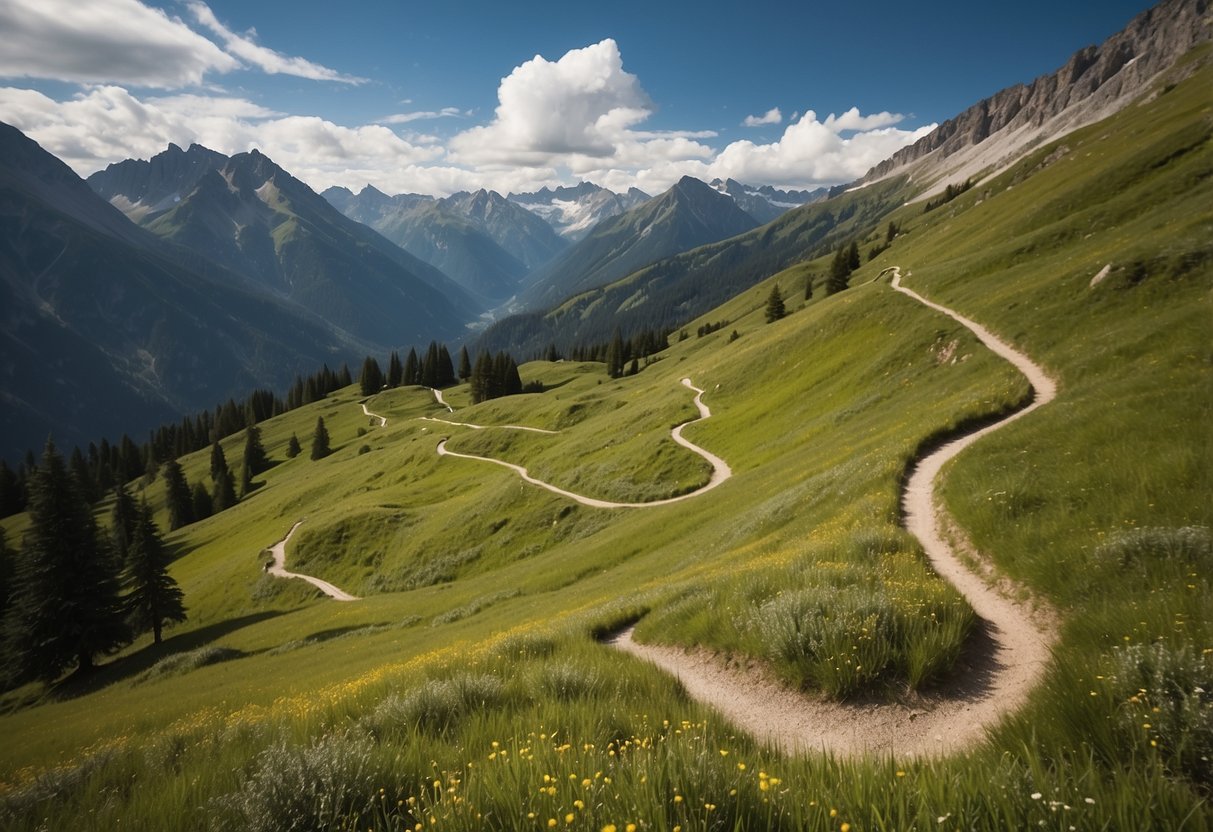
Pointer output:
x,y
1094,83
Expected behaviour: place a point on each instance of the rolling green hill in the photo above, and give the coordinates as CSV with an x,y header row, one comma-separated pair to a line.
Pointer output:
x,y
467,690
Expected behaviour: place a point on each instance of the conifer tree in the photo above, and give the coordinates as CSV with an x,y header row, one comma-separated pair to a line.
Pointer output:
x,y
775,310
8,572
10,492
412,373
615,355
292,447
853,255
177,496
65,610
320,440
808,287
509,382
551,354
840,273
465,364
446,371
200,500
223,491
255,459
218,459
153,597
371,380
123,518
395,370
246,480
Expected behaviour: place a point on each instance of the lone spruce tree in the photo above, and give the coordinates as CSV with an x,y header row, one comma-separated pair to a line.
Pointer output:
x,y
153,597
775,310
65,609
177,496
320,440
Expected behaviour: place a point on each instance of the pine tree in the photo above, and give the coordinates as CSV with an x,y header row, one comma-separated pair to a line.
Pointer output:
x,y
853,255
123,518
395,370
218,460
8,573
255,459
10,491
223,492
412,373
808,287
615,355
510,382
480,381
891,232
446,370
153,597
65,609
465,364
201,502
292,447
429,366
246,480
840,273
320,440
177,496
551,354
371,380
775,310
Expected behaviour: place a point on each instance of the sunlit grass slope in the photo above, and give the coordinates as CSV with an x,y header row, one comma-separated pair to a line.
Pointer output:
x,y
465,691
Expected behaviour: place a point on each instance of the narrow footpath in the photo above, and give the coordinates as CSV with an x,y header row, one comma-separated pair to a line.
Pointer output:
x,y
720,468
1012,645
278,569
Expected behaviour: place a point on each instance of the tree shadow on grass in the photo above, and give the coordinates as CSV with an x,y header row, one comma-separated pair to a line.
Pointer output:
x,y
128,666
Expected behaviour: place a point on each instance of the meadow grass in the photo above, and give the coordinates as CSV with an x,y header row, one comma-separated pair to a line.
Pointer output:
x,y
467,691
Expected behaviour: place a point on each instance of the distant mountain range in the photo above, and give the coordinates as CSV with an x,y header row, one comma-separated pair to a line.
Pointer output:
x,y
249,215
480,240
108,329
688,215
766,203
575,211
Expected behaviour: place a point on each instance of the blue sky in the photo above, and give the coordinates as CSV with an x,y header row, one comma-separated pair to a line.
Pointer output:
x,y
411,96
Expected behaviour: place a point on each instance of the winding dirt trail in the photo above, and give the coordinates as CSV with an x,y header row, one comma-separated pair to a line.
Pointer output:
x,y
278,569
1010,648
485,427
382,419
720,468
438,398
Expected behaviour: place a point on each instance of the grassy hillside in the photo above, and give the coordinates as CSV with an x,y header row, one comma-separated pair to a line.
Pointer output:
x,y
466,690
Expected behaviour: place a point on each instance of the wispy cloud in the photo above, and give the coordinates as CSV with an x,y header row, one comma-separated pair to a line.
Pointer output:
x,y
247,49
771,116
422,115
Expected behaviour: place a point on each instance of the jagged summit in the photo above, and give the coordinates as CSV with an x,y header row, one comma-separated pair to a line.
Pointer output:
x,y
1093,83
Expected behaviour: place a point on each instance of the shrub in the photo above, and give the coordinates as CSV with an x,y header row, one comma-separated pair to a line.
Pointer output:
x,y
1165,705
438,705
318,786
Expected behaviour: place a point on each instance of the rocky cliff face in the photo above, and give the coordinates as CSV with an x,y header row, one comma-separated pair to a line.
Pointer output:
x,y
1094,83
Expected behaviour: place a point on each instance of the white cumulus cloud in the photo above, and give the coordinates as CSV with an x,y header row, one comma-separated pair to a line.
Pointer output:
x,y
269,61
104,42
771,116
581,104
108,124
812,152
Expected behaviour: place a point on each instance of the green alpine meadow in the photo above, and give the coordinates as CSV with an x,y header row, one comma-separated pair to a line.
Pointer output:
x,y
894,512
